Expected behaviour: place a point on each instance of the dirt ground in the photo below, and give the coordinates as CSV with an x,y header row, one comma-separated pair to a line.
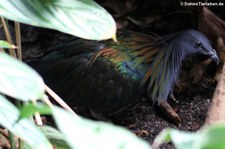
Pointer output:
x,y
192,104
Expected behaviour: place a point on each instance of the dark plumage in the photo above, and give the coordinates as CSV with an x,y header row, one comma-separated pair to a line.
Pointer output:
x,y
108,77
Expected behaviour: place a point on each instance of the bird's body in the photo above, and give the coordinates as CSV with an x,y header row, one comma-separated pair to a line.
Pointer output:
x,y
108,77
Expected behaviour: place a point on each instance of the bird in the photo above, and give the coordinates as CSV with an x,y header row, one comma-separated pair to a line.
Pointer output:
x,y
110,77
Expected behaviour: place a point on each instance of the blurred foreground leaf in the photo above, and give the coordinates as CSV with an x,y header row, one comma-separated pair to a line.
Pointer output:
x,y
18,80
30,109
82,18
211,137
55,137
4,44
87,134
24,129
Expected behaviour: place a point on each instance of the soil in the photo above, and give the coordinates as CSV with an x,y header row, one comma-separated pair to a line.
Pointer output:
x,y
192,105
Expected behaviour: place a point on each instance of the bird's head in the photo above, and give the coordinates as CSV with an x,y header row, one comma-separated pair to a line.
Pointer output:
x,y
196,42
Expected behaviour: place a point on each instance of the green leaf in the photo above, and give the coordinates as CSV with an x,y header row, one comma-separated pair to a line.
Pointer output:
x,y
82,18
55,137
212,137
87,134
25,146
5,44
182,140
30,109
18,80
24,129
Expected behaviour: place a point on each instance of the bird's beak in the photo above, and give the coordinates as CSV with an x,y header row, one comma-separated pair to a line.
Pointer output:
x,y
214,56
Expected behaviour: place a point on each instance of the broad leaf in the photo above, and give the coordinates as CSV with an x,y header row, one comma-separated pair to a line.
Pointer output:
x,y
182,140
212,137
25,129
55,137
82,18
5,44
87,134
18,80
30,109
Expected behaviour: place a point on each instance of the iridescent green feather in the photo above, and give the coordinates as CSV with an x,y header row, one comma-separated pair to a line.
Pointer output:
x,y
157,54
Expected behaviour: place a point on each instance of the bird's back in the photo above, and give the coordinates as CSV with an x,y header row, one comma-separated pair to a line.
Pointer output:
x,y
104,76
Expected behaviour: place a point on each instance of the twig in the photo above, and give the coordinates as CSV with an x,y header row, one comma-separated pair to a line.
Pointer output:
x,y
8,37
47,101
2,50
12,140
58,99
18,40
37,115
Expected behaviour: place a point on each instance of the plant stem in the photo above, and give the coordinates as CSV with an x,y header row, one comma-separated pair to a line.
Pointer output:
x,y
12,141
8,36
59,100
21,144
18,40
37,115
2,50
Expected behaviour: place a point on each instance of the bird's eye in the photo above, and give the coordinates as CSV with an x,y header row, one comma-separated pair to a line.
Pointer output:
x,y
197,44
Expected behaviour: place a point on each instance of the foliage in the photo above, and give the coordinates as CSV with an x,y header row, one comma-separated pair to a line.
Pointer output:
x,y
86,19
25,128
22,83
211,137
83,133
78,132
82,18
4,44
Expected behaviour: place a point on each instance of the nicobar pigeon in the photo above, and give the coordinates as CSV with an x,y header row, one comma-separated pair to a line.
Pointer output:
x,y
109,77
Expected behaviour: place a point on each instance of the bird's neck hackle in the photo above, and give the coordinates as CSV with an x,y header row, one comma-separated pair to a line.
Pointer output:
x,y
164,70
163,56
